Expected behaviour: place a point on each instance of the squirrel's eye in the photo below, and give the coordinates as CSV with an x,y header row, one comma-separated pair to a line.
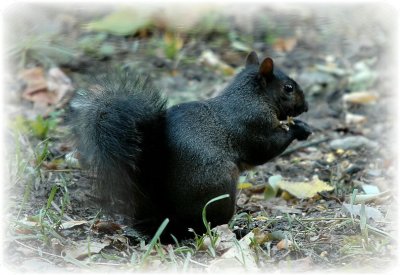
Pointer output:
x,y
288,88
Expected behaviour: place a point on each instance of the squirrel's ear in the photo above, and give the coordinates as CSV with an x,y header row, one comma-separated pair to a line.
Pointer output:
x,y
267,67
252,59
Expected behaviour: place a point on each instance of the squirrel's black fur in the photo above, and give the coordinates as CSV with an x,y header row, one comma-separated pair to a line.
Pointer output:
x,y
152,163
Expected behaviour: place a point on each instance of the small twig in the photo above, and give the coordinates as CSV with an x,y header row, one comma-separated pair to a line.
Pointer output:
x,y
373,229
59,211
304,145
61,170
380,232
284,255
110,264
193,261
323,219
58,256
37,250
46,260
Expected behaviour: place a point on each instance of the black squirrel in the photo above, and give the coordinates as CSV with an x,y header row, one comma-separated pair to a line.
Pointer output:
x,y
151,162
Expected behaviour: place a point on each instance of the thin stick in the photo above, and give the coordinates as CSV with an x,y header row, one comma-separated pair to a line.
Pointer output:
x,y
304,145
193,261
37,250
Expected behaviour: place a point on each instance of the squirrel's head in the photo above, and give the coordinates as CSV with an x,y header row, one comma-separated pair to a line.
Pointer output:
x,y
282,91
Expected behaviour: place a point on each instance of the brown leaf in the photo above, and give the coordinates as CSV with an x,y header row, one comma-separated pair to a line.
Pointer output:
x,y
34,79
260,237
57,245
106,227
36,87
364,97
71,224
58,83
83,249
284,244
285,44
45,90
239,255
226,238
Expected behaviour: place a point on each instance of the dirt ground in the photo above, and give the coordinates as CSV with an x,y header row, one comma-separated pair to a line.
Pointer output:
x,y
342,216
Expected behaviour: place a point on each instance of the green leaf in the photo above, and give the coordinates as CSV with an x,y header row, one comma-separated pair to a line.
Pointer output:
x,y
53,192
272,187
122,22
40,127
91,44
106,50
20,124
237,45
244,185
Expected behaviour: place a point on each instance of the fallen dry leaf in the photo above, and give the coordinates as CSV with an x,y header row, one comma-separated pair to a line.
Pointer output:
x,y
34,79
83,249
45,90
210,59
241,200
370,212
355,119
364,97
36,86
106,227
243,252
305,190
226,237
272,187
26,226
260,237
57,245
71,224
58,83
284,244
285,44
364,198
370,189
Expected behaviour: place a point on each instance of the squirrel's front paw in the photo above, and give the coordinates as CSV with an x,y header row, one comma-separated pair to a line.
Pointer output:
x,y
301,129
285,124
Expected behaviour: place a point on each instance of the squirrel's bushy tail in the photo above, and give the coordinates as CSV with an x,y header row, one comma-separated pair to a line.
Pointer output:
x,y
109,125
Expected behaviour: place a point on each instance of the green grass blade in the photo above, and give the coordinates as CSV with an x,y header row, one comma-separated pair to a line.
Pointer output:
x,y
204,213
154,239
